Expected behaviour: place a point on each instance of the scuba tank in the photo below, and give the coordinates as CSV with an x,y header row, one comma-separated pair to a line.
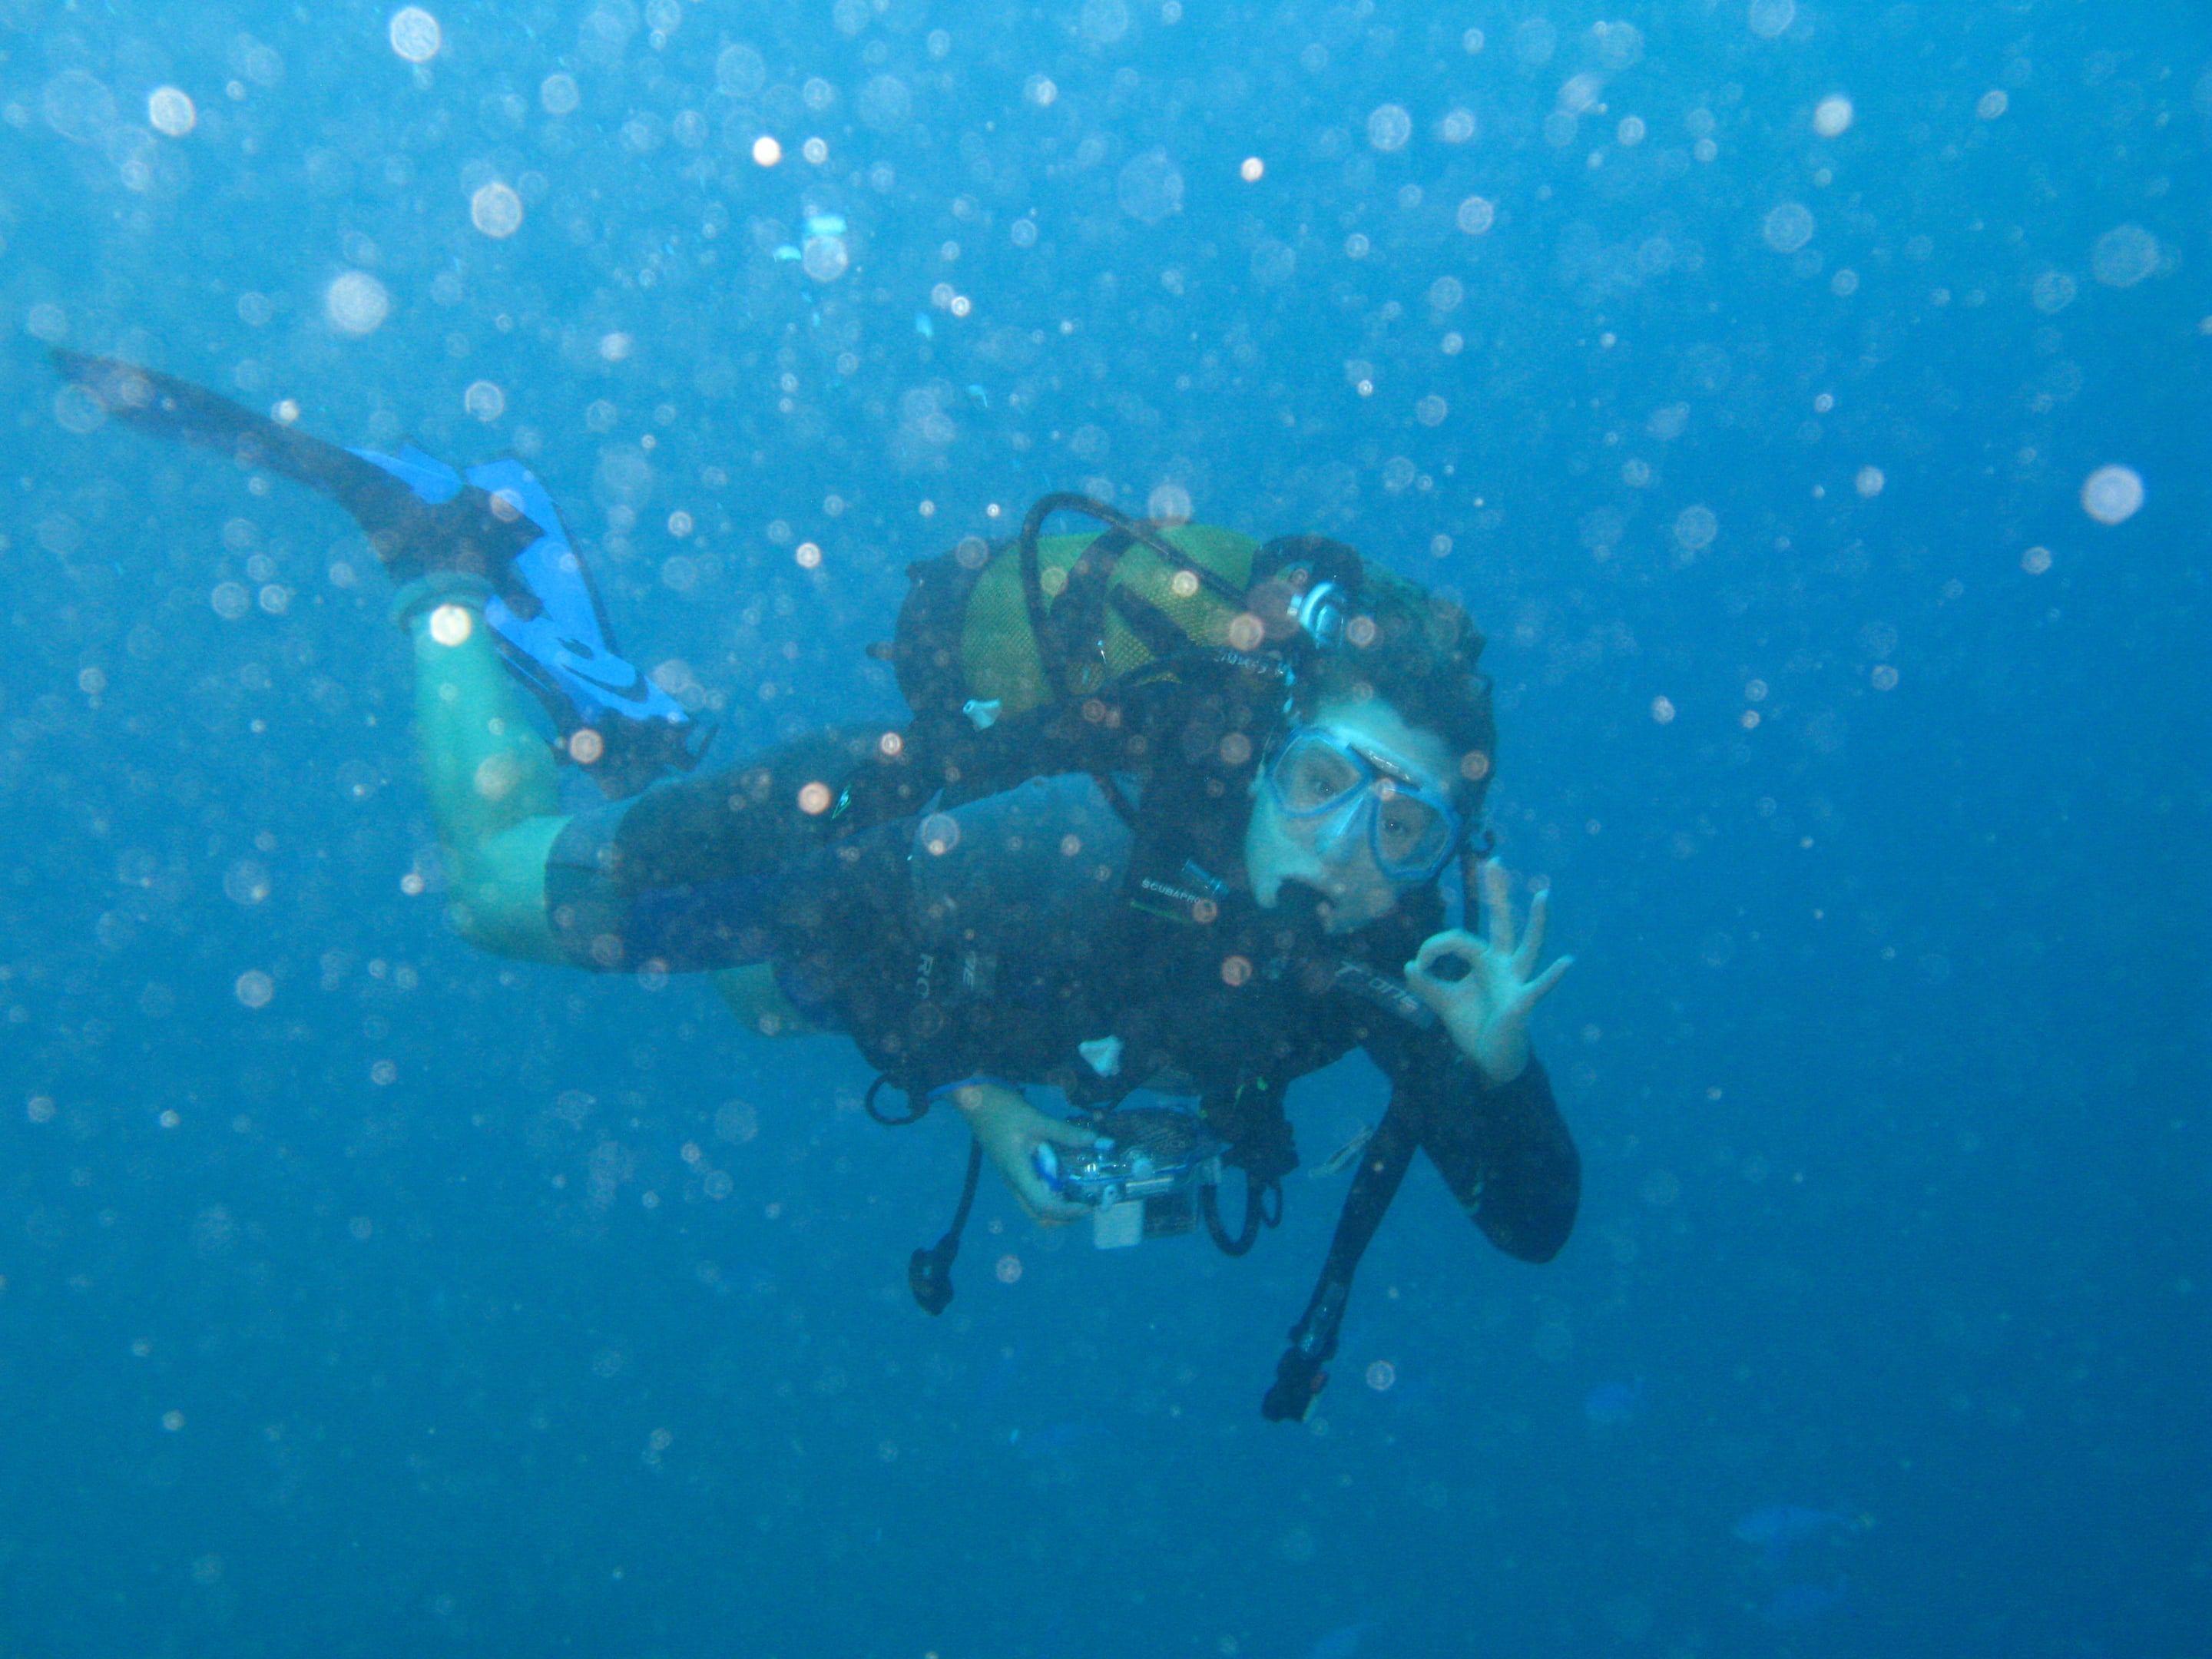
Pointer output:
x,y
991,632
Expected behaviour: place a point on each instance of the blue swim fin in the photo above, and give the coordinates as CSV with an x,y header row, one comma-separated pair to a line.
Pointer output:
x,y
553,629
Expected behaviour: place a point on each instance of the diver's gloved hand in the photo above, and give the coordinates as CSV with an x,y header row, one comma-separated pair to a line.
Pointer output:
x,y
1486,1006
1010,1130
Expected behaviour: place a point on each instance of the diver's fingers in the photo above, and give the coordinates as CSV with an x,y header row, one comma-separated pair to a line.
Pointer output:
x,y
1453,941
1045,1207
1540,987
1498,901
1532,941
1067,1134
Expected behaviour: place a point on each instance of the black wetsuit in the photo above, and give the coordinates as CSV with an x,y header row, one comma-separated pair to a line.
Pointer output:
x,y
1061,901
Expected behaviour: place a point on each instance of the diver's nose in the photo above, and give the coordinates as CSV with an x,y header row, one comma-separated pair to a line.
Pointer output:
x,y
1342,846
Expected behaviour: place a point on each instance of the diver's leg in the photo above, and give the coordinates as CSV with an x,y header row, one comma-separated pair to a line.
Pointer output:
x,y
492,781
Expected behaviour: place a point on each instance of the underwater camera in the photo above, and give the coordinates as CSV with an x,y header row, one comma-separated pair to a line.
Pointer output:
x,y
1146,1184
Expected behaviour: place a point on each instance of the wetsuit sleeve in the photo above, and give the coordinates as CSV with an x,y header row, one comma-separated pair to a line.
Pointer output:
x,y
1505,1153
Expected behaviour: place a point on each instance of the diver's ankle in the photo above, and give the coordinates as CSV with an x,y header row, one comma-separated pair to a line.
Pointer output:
x,y
438,587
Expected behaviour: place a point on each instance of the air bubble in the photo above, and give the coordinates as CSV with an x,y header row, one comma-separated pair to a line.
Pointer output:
x,y
170,112
2124,256
2113,495
1695,527
1770,19
1789,227
356,303
825,258
414,34
1389,127
497,210
1149,188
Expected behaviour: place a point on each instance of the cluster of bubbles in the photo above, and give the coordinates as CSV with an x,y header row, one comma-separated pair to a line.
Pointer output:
x,y
79,106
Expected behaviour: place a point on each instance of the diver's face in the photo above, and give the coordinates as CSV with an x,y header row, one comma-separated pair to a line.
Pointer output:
x,y
1335,851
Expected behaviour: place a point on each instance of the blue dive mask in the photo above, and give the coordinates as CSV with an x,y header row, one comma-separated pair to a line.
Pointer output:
x,y
1321,779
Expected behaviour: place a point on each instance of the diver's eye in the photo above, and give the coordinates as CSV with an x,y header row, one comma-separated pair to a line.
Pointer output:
x,y
1404,829
1314,776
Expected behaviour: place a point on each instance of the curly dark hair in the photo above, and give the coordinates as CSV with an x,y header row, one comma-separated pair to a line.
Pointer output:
x,y
1417,651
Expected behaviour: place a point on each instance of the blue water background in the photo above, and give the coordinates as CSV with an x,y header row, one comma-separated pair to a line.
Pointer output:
x,y
391,1317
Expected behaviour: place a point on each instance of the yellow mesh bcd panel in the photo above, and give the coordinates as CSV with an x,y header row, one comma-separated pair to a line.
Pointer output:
x,y
999,654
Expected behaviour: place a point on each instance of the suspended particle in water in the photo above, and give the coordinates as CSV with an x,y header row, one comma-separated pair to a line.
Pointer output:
x,y
1476,216
740,70
1381,1376
1169,503
825,257
496,210
1149,188
1789,227
170,112
558,94
1253,170
940,834
485,400
254,988
1832,116
356,303
452,624
1695,528
766,151
2113,495
1869,481
415,35
1389,127
2124,256
1770,19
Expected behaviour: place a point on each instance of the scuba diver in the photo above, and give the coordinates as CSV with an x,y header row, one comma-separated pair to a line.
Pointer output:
x,y
1175,813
